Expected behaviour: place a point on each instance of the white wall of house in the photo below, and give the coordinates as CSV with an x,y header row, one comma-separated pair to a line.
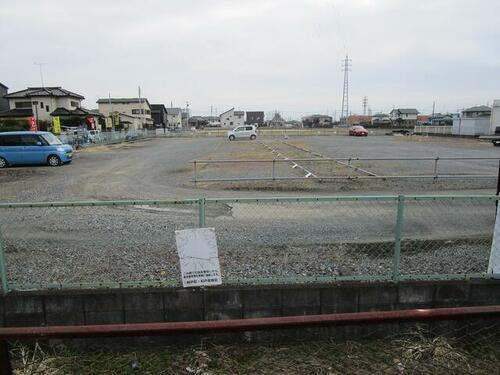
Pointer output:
x,y
141,111
394,115
229,120
46,105
471,126
174,120
131,109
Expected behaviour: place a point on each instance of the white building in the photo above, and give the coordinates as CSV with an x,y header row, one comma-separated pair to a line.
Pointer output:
x,y
174,118
473,121
404,115
232,118
42,101
135,107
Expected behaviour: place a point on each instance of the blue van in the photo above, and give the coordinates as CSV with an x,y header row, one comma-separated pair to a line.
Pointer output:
x,y
26,147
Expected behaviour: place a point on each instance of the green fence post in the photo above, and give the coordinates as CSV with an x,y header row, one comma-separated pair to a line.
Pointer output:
x,y
201,212
3,266
397,238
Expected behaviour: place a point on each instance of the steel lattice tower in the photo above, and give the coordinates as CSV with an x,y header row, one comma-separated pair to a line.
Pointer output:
x,y
344,112
365,105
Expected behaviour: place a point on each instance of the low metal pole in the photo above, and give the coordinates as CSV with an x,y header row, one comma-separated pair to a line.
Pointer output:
x,y
3,266
274,167
436,167
397,240
201,212
195,174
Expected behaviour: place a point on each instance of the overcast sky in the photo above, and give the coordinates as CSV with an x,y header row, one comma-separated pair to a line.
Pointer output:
x,y
258,54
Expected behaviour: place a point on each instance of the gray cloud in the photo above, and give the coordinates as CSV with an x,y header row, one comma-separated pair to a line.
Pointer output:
x,y
259,54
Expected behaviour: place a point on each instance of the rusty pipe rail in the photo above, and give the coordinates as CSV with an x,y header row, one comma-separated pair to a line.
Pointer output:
x,y
149,329
141,329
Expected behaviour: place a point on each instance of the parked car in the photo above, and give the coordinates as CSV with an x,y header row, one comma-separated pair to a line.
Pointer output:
x,y
358,131
242,132
26,147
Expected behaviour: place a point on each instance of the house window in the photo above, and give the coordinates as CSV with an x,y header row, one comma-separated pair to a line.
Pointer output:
x,y
148,112
231,123
136,111
47,108
74,104
41,105
23,104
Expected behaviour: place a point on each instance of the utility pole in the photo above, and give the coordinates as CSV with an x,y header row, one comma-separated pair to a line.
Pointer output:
x,y
187,114
365,105
41,72
346,68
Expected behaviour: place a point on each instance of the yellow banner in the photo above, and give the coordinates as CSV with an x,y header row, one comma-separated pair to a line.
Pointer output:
x,y
109,122
57,125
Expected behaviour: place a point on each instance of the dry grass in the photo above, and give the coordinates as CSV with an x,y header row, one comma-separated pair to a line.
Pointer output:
x,y
416,354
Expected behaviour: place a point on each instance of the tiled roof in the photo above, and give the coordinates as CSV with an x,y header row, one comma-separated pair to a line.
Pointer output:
x,y
43,91
479,108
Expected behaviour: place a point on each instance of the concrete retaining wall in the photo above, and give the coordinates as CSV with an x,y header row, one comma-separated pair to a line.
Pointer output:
x,y
167,305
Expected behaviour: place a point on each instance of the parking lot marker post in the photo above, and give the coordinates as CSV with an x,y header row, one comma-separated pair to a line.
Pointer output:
x,y
3,267
201,212
397,238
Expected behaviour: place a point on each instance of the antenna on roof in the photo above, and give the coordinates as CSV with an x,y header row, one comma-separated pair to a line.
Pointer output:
x,y
41,73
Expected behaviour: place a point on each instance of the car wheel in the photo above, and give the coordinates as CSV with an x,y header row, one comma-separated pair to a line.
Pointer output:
x,y
3,163
231,137
54,160
252,137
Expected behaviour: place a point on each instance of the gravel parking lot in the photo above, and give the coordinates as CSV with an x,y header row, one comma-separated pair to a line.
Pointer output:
x,y
272,240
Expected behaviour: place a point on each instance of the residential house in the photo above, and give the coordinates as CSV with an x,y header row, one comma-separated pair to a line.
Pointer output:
x,y
79,117
255,118
359,120
473,121
477,111
159,114
317,121
423,119
40,102
404,116
174,118
4,103
380,119
232,118
136,107
277,121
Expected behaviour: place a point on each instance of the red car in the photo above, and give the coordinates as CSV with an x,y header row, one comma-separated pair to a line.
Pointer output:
x,y
358,131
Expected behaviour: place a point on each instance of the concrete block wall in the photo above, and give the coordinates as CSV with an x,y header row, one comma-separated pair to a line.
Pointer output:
x,y
85,307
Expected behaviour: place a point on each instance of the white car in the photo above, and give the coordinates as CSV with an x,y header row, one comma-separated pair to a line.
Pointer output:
x,y
242,132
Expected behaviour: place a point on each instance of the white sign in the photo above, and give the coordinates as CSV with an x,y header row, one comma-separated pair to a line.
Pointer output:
x,y
494,263
199,258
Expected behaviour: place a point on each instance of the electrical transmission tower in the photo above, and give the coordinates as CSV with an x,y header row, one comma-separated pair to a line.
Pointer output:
x,y
365,105
346,68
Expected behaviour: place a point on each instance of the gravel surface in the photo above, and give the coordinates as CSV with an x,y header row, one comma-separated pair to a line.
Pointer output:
x,y
272,240
137,243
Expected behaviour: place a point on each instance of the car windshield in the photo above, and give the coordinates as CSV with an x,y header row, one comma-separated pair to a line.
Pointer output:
x,y
51,139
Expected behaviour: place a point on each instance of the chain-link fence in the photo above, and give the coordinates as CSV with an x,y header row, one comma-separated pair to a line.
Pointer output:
x,y
85,137
260,240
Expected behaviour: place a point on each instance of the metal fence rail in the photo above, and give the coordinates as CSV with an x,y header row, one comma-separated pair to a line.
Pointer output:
x,y
112,244
354,171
